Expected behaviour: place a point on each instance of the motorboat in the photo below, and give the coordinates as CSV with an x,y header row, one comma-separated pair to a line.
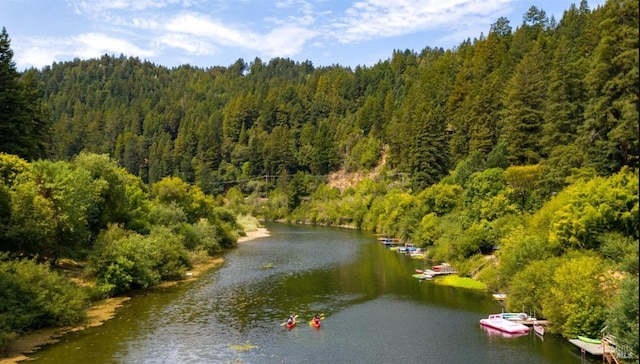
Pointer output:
x,y
496,321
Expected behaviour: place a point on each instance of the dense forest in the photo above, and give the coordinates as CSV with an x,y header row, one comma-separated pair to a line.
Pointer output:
x,y
514,156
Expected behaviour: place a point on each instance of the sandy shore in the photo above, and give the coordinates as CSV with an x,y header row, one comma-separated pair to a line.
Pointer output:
x,y
101,311
255,234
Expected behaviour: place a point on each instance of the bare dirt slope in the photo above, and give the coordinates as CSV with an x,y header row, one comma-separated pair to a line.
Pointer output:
x,y
343,180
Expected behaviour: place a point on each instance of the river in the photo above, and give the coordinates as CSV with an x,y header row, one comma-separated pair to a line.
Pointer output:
x,y
375,312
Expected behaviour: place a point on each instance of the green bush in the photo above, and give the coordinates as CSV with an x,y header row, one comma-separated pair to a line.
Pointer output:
x,y
125,260
32,297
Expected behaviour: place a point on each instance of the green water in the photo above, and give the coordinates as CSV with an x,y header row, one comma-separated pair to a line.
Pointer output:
x,y
375,312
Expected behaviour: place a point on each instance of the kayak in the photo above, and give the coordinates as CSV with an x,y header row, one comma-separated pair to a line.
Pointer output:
x,y
589,340
291,325
314,324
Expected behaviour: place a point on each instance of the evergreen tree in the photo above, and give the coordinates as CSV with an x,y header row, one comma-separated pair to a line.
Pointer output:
x,y
523,113
564,109
24,127
429,155
610,132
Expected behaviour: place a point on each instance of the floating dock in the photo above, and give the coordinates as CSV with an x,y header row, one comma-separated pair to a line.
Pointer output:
x,y
531,322
390,241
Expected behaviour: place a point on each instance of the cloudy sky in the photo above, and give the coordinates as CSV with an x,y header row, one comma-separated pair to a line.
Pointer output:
x,y
206,33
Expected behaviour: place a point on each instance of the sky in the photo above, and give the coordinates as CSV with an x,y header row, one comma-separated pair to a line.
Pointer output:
x,y
209,33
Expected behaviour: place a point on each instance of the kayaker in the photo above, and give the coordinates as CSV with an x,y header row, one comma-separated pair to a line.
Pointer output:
x,y
291,320
316,320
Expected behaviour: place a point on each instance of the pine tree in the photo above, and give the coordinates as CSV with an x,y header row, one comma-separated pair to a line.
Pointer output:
x,y
523,113
24,128
610,133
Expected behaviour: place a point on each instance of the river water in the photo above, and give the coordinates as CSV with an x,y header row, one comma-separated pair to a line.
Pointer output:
x,y
375,312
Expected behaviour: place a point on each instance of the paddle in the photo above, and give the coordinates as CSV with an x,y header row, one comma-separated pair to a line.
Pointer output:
x,y
294,317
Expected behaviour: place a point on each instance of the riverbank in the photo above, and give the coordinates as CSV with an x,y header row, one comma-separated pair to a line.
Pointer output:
x,y
104,310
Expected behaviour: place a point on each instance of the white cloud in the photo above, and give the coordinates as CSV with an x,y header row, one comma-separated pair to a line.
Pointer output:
x,y
39,52
281,41
202,26
99,6
189,44
285,41
35,57
93,45
368,19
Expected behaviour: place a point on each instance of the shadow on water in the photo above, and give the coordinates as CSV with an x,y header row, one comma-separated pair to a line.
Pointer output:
x,y
375,312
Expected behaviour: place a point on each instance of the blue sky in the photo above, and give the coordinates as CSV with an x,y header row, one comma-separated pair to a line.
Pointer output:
x,y
207,33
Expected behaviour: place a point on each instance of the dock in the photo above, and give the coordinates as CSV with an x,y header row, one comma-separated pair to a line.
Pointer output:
x,y
434,273
593,349
531,322
390,241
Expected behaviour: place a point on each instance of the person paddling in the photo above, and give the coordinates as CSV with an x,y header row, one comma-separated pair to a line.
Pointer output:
x,y
291,320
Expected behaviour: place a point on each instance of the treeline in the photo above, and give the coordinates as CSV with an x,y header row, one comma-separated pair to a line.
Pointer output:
x,y
560,93
89,213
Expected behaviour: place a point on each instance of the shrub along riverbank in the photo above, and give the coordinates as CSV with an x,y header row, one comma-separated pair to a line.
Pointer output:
x,y
95,313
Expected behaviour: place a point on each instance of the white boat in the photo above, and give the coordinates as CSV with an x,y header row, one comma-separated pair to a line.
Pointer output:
x,y
498,333
515,316
539,329
496,321
500,296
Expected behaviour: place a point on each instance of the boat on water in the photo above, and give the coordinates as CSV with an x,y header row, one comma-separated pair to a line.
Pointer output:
x,y
498,322
499,333
515,316
422,276
500,296
407,248
539,329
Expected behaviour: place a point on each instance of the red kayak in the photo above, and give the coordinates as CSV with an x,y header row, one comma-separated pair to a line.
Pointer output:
x,y
315,324
291,325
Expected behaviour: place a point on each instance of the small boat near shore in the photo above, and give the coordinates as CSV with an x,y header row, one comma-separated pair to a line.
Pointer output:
x,y
500,296
539,329
422,276
499,333
496,321
515,316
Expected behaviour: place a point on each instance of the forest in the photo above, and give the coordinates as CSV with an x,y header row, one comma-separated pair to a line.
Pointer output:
x,y
514,156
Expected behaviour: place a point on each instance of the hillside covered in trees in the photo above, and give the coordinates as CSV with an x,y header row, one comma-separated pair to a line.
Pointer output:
x,y
514,156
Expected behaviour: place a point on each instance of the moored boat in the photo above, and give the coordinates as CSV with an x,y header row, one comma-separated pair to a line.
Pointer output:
x,y
499,333
515,316
439,267
497,322
422,276
407,248
500,296
539,329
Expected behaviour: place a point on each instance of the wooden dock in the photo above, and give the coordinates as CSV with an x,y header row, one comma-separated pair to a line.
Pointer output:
x,y
390,241
531,322
593,349
434,273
